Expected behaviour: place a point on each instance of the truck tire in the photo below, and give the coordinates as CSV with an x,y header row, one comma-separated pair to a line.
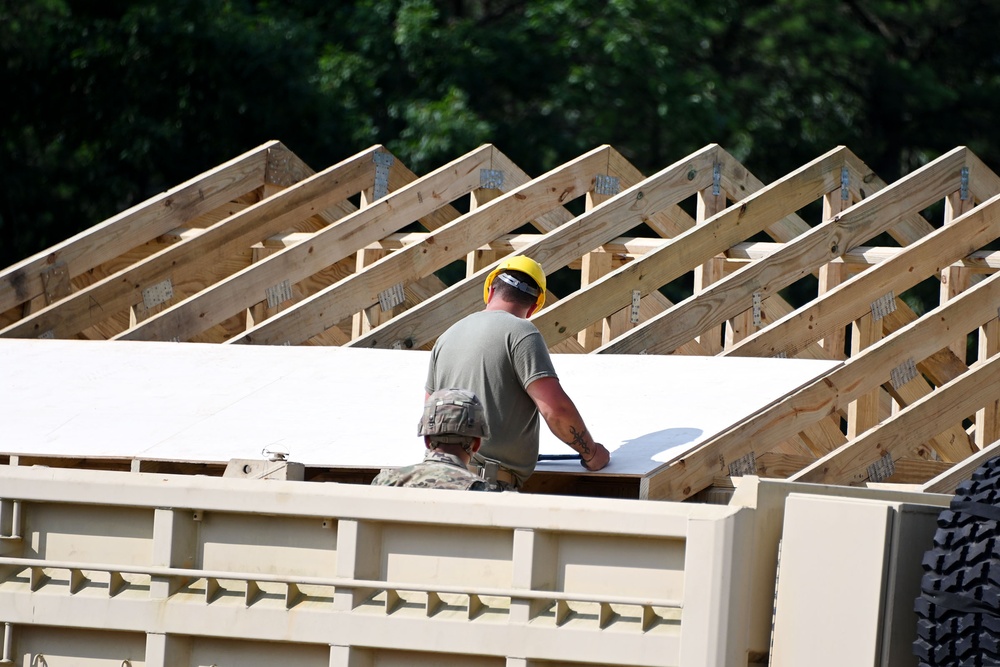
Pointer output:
x,y
958,611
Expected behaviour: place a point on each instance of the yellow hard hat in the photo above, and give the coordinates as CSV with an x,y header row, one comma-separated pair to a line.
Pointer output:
x,y
524,265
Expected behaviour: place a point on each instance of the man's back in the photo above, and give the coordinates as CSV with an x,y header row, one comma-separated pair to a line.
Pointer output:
x,y
496,355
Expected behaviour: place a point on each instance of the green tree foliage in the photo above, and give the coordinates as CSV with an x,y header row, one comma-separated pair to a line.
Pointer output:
x,y
110,101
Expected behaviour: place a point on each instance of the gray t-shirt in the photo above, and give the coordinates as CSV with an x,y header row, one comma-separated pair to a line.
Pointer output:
x,y
496,355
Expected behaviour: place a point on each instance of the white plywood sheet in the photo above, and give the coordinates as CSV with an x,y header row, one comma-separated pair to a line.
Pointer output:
x,y
344,406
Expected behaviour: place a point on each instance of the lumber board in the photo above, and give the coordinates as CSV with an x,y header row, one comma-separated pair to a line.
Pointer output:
x,y
825,396
637,203
948,481
695,246
137,225
417,199
253,224
850,464
446,244
911,226
988,418
732,295
849,300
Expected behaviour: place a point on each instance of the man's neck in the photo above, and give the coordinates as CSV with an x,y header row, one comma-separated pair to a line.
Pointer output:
x,y
454,450
508,307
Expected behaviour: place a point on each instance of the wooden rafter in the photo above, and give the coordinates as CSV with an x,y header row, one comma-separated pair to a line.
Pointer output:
x,y
139,224
417,199
449,243
556,249
255,223
765,277
830,393
695,246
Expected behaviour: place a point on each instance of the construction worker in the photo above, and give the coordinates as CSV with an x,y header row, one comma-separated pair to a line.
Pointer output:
x,y
453,426
501,356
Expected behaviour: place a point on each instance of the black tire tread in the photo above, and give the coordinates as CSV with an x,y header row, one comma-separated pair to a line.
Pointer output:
x,y
958,611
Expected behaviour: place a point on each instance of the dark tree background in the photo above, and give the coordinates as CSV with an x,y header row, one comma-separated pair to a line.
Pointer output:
x,y
109,102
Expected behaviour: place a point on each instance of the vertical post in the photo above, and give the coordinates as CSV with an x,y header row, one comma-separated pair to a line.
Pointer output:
x,y
372,316
831,274
988,418
596,265
8,644
359,546
863,413
477,259
351,656
741,326
534,568
164,650
174,544
710,202
955,279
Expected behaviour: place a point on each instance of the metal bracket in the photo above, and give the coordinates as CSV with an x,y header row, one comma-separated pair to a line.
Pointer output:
x,y
882,469
55,282
382,163
781,355
278,294
716,179
883,305
158,293
903,373
745,465
607,185
845,184
963,191
756,309
391,297
490,179
634,314
49,333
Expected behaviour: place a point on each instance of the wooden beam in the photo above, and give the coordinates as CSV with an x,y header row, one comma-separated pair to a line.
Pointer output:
x,y
695,246
710,202
895,275
948,481
825,396
242,230
636,204
954,280
444,245
853,463
141,223
595,265
763,278
326,247
988,418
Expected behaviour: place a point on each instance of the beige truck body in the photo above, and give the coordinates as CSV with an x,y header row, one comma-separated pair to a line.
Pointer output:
x,y
117,568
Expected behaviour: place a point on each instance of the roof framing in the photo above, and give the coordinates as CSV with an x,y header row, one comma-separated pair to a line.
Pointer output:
x,y
263,250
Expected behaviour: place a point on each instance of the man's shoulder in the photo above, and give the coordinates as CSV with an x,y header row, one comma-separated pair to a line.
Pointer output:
x,y
430,475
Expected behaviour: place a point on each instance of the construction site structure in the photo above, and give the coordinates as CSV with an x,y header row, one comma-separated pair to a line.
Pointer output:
x,y
837,417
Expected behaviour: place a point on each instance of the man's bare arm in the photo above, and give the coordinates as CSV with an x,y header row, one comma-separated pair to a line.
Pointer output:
x,y
565,422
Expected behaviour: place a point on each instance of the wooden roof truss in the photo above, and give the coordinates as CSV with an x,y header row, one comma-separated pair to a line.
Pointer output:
x,y
262,250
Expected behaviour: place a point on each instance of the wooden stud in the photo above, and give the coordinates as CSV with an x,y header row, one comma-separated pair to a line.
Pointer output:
x,y
953,279
709,204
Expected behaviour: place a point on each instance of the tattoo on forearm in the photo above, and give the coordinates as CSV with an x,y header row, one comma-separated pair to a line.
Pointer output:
x,y
579,438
